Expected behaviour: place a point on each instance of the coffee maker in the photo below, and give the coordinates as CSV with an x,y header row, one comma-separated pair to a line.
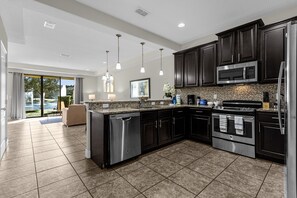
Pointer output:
x,y
191,99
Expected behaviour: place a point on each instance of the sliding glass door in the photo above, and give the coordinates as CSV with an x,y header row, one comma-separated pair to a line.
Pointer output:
x,y
45,95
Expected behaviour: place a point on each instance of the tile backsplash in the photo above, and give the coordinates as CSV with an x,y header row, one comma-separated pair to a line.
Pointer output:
x,y
231,92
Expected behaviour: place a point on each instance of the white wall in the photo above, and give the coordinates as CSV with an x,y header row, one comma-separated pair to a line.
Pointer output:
x,y
3,36
90,85
123,77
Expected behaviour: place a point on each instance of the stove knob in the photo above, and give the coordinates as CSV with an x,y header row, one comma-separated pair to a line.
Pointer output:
x,y
231,137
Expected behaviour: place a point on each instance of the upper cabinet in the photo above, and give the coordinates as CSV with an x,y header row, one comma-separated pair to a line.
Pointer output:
x,y
208,64
239,44
179,70
191,68
273,50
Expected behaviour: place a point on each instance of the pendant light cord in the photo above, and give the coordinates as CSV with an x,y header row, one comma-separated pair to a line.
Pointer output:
x,y
161,50
142,43
118,35
107,61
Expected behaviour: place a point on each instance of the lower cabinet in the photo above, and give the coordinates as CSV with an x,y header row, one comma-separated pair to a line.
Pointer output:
x,y
178,123
149,130
164,128
200,124
270,141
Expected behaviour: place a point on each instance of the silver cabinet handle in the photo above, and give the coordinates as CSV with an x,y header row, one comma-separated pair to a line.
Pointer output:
x,y
199,111
232,58
160,124
179,111
238,56
173,121
281,69
156,124
276,118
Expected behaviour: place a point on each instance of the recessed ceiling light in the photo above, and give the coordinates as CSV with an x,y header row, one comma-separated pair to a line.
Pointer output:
x,y
181,25
49,25
104,62
65,55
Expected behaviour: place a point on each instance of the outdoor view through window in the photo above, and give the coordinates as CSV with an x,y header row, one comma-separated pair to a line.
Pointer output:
x,y
45,95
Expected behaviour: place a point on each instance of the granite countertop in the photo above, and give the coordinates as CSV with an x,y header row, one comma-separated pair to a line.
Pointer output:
x,y
272,110
153,108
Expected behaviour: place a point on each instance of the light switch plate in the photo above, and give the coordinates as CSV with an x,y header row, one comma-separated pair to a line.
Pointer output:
x,y
153,103
105,106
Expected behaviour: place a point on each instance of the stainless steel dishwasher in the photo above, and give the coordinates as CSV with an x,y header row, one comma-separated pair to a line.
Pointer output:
x,y
124,137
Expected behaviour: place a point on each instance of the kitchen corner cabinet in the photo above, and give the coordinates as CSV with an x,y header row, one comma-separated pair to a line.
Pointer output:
x,y
208,64
191,68
239,44
273,50
270,143
178,123
179,70
149,130
200,124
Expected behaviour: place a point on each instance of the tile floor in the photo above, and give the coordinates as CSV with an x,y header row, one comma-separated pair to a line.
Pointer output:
x,y
48,161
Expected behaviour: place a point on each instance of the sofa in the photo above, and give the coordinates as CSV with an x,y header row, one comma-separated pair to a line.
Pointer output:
x,y
75,114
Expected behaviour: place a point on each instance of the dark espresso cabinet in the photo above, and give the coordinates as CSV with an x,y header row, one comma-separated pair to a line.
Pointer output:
x,y
270,141
191,68
239,44
273,50
149,130
178,123
179,70
164,128
208,64
200,124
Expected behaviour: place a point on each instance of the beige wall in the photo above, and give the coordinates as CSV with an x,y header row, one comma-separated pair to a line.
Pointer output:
x,y
123,77
3,36
90,87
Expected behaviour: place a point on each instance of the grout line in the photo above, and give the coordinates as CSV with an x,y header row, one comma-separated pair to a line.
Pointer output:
x,y
38,193
264,179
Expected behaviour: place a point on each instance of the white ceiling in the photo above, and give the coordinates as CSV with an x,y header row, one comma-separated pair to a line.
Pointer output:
x,y
86,40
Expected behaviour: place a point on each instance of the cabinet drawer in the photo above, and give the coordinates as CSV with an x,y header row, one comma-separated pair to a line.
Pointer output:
x,y
151,115
200,111
269,117
178,112
164,113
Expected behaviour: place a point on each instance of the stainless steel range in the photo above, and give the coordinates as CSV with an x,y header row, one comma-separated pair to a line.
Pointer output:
x,y
233,126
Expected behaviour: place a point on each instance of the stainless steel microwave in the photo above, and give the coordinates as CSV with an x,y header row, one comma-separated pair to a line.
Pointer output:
x,y
238,73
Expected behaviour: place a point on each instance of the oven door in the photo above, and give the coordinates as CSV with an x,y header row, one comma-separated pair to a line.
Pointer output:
x,y
248,135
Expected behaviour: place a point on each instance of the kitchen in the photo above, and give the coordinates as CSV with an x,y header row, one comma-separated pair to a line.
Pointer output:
x,y
179,100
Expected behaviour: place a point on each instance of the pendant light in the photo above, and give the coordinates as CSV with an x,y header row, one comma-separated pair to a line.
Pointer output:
x,y
118,65
107,76
161,73
142,70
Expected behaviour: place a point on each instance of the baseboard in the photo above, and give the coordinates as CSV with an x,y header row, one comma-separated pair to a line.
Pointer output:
x,y
3,148
87,153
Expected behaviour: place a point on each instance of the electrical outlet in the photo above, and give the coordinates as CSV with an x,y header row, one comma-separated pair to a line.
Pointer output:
x,y
153,103
161,103
215,96
105,106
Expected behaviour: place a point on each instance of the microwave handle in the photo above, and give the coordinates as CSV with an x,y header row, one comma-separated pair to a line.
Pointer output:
x,y
244,72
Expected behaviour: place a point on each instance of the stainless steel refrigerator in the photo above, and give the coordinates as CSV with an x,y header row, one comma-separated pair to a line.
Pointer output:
x,y
288,123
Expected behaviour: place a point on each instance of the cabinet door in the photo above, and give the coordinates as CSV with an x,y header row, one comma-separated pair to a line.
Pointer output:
x,y
179,70
273,50
271,142
200,127
191,69
226,48
149,134
208,64
164,130
247,44
178,126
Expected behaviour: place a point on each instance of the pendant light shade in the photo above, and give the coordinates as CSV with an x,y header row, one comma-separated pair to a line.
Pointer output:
x,y
142,70
161,73
118,65
107,78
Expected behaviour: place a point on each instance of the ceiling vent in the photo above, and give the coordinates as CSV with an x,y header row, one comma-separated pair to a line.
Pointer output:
x,y
142,12
49,25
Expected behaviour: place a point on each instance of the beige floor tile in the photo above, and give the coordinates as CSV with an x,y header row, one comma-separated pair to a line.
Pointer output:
x,y
48,155
14,173
115,188
55,175
31,194
73,149
98,177
220,158
272,190
205,168
181,158
219,190
77,156
149,158
167,189
17,162
83,195
243,183
278,167
44,143
165,167
45,148
143,178
190,180
65,188
84,165
51,163
129,167
275,177
18,186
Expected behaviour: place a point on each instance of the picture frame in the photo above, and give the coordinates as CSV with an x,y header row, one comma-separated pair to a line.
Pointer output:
x,y
140,88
